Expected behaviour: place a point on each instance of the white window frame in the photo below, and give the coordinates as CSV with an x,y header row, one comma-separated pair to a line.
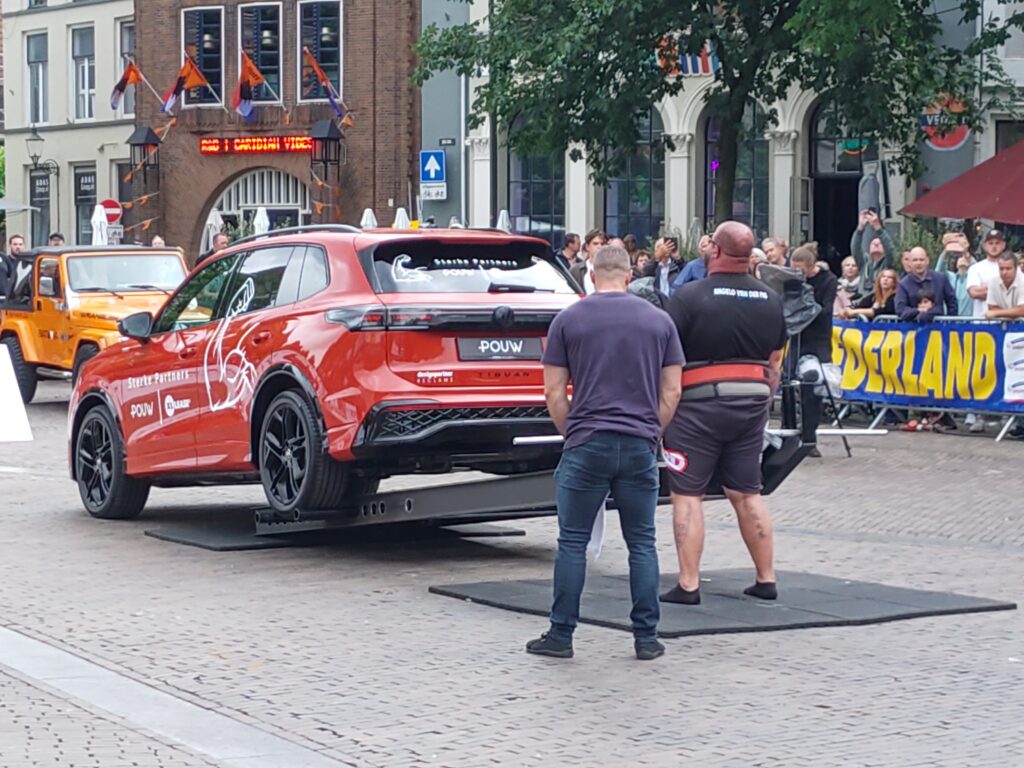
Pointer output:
x,y
299,56
73,78
121,63
181,61
45,106
280,37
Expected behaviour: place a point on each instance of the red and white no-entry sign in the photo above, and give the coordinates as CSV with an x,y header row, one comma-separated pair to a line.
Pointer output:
x,y
113,210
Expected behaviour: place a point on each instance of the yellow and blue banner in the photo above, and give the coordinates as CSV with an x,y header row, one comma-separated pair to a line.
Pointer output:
x,y
957,365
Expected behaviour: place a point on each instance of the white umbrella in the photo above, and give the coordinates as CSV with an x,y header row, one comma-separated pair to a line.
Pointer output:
x,y
260,222
454,223
99,226
214,224
369,221
504,222
401,220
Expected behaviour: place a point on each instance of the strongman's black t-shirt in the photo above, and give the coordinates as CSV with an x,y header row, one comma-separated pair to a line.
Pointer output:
x,y
728,317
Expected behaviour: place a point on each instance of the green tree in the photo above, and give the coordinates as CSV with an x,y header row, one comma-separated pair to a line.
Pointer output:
x,y
586,71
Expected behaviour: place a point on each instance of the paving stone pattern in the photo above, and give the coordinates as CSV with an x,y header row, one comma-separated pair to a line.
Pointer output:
x,y
39,728
341,648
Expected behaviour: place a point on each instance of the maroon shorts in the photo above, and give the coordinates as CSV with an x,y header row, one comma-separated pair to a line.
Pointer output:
x,y
719,440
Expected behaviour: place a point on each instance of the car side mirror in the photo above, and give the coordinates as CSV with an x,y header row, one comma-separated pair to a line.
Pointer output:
x,y
137,326
46,287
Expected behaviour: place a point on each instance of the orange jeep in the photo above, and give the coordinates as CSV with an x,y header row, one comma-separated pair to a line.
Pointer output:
x,y
63,304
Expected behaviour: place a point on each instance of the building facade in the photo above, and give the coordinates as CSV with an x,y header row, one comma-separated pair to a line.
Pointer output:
x,y
795,179
58,53
210,157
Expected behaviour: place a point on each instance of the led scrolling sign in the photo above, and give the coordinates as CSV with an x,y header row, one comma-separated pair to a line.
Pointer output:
x,y
254,145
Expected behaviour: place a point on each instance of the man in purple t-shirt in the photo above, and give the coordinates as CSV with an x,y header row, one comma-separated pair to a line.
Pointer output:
x,y
623,358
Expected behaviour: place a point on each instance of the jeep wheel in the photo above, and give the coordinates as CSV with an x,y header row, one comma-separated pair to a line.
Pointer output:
x,y
297,473
23,372
106,491
85,353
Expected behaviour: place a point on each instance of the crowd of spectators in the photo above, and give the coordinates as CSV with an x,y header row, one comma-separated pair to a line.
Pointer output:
x,y
952,283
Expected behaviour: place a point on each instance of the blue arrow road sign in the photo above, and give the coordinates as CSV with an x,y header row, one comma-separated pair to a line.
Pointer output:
x,y
432,167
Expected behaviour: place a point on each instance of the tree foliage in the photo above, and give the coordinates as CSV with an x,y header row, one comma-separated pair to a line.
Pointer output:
x,y
583,72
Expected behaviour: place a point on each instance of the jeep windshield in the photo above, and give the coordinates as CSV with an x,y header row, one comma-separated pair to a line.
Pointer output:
x,y
125,273
433,266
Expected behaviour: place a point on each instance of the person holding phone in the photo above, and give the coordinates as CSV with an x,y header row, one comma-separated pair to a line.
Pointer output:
x,y
872,247
666,265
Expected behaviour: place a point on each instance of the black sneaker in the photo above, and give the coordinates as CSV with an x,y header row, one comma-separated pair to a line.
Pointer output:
x,y
648,649
548,646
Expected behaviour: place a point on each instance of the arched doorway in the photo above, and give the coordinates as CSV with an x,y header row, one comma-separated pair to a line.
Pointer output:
x,y
284,196
750,193
837,165
634,199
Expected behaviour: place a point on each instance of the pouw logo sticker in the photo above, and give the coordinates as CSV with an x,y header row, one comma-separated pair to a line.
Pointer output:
x,y
676,461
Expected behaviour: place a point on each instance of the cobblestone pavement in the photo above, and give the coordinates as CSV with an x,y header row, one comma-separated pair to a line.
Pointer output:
x,y
39,728
341,649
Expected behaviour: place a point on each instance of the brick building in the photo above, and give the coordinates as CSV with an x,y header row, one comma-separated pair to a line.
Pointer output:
x,y
363,46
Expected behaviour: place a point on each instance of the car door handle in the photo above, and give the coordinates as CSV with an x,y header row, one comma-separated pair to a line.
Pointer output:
x,y
187,352
261,337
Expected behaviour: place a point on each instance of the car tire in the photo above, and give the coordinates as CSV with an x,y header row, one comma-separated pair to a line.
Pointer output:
x,y
106,491
84,353
296,471
24,373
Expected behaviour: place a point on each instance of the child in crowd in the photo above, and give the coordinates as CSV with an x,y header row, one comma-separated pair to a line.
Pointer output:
x,y
925,303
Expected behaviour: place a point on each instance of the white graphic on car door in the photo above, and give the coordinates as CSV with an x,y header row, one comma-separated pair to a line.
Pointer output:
x,y
233,368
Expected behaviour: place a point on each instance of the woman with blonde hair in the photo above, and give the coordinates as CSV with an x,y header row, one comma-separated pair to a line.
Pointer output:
x,y
881,301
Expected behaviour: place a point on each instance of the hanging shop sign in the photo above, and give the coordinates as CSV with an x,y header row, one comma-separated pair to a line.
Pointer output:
x,y
254,145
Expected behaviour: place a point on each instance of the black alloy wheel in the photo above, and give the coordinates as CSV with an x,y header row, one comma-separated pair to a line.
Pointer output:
x,y
296,471
106,491
24,372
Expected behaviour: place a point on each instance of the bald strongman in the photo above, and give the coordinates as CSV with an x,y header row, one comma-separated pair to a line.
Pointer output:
x,y
732,330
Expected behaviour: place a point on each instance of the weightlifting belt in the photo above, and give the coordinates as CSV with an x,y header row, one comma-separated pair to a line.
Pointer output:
x,y
726,380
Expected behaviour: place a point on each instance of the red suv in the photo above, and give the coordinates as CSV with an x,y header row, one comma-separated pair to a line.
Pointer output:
x,y
321,359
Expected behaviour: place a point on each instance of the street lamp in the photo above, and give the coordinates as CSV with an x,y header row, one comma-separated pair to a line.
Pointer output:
x,y
34,143
145,152
327,147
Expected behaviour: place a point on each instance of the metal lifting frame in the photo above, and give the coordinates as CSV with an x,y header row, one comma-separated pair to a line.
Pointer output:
x,y
505,498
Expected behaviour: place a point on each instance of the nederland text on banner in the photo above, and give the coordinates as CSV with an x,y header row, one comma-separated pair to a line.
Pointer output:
x,y
959,365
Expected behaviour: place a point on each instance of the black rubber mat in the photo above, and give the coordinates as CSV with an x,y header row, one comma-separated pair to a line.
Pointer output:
x,y
805,600
237,535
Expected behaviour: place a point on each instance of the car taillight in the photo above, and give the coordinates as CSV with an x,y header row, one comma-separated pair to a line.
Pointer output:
x,y
376,317
372,317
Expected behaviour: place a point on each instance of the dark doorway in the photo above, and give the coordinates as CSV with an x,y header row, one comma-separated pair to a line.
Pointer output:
x,y
835,217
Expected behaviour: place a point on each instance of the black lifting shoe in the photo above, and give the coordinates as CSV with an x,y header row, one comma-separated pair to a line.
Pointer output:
x,y
545,645
648,649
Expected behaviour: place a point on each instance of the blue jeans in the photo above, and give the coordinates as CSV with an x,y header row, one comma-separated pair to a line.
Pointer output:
x,y
626,467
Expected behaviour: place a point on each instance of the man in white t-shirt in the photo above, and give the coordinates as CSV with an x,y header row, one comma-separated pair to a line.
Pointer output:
x,y
1006,292
983,272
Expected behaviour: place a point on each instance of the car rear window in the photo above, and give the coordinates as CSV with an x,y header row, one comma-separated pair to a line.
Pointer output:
x,y
431,266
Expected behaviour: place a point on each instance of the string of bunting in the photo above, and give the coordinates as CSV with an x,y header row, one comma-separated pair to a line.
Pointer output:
x,y
145,225
140,201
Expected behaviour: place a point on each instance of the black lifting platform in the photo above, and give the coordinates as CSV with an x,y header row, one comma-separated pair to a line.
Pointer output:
x,y
475,501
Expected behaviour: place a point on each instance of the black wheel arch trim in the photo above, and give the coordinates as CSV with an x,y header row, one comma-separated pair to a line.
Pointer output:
x,y
275,373
92,396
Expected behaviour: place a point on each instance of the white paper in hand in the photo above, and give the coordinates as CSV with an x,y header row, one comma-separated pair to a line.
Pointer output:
x,y
596,543
14,425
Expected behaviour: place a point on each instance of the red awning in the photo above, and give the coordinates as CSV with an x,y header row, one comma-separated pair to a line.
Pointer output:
x,y
993,190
